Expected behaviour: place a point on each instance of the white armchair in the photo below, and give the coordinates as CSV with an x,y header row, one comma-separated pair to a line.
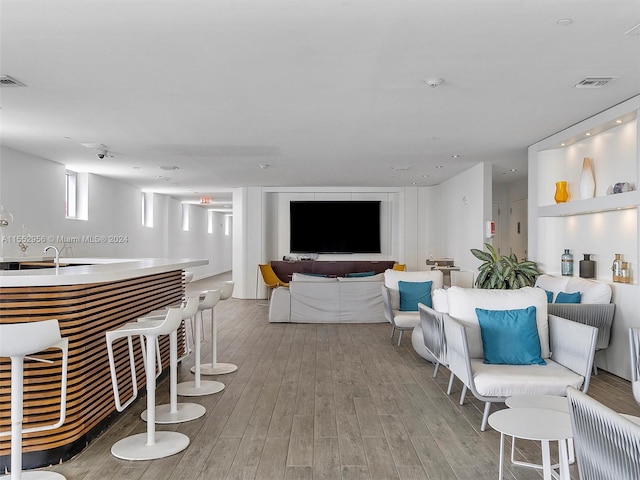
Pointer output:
x,y
572,344
607,445
400,319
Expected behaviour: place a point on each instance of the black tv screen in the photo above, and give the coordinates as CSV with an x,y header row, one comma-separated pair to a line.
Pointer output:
x,y
335,226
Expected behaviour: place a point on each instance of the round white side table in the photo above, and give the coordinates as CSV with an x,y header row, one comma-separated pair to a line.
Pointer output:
x,y
536,424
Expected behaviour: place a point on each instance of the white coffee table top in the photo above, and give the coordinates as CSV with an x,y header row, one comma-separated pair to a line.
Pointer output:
x,y
532,423
549,402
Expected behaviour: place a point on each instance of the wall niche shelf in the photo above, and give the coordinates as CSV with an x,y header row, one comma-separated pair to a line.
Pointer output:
x,y
619,201
602,226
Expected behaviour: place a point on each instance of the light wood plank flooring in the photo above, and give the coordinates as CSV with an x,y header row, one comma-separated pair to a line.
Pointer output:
x,y
319,401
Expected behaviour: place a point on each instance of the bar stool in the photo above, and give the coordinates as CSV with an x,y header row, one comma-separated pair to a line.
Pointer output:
x,y
152,444
174,412
215,368
17,340
199,387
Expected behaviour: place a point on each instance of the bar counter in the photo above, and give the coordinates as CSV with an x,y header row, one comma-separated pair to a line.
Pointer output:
x,y
89,297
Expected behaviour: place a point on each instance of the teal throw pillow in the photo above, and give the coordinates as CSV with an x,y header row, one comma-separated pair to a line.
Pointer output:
x,y
510,337
564,297
412,293
549,295
360,274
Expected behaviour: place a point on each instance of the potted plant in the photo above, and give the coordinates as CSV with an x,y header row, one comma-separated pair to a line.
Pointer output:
x,y
504,272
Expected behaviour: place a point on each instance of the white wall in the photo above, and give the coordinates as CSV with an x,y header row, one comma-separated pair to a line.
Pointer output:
x,y
33,190
465,206
416,222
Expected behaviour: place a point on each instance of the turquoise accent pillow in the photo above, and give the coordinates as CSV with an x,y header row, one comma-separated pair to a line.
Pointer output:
x,y
549,295
360,274
564,297
510,337
412,293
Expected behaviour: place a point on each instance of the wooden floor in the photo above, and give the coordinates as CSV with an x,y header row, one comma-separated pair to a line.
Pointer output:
x,y
318,401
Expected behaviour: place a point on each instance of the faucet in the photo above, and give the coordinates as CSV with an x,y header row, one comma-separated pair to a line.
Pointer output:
x,y
57,255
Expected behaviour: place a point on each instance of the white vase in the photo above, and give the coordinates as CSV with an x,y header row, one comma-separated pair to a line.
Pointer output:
x,y
587,182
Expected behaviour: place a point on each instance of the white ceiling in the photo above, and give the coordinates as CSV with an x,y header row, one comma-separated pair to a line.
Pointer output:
x,y
322,93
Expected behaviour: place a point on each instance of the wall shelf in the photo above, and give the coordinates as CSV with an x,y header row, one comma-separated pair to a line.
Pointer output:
x,y
620,201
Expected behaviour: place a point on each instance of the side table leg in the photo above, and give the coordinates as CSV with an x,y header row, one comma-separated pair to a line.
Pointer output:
x,y
564,460
546,460
500,467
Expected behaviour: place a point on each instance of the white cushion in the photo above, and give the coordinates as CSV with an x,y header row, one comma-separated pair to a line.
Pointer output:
x,y
406,319
552,283
591,290
392,277
511,380
369,278
439,299
464,301
301,277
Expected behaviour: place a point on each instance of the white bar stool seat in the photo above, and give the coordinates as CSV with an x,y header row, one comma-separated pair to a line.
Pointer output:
x,y
175,412
17,340
198,387
207,303
150,445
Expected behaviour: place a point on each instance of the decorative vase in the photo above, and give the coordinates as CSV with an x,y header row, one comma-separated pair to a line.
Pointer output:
x,y
566,263
587,267
587,182
562,194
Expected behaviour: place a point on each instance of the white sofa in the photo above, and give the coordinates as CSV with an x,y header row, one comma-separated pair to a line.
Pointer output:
x,y
312,299
567,347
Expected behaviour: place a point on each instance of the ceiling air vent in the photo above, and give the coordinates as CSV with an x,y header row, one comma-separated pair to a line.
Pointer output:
x,y
593,82
7,81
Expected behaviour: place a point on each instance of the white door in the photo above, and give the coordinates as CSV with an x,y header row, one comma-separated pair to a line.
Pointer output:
x,y
518,228
495,216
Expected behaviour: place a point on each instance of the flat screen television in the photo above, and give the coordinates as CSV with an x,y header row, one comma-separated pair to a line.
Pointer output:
x,y
335,226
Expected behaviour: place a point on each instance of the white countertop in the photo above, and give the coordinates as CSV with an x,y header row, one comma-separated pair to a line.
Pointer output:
x,y
93,270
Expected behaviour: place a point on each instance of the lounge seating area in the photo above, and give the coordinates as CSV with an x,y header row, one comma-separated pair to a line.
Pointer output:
x,y
305,391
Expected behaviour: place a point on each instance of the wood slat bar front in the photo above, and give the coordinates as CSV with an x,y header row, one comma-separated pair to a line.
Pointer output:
x,y
85,312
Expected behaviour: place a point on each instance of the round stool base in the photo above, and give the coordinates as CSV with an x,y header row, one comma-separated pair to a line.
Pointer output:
x,y
135,447
37,475
189,389
185,413
217,369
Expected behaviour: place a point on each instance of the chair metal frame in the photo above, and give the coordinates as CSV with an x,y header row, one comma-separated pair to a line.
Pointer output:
x,y
634,354
607,444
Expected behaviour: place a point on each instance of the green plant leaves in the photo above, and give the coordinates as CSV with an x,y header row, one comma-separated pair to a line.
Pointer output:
x,y
503,272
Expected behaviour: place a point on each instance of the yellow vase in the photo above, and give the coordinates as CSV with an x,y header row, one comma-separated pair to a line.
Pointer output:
x,y
562,194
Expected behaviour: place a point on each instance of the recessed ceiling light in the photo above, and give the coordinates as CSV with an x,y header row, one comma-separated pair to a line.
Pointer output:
x,y
264,165
514,169
587,134
455,156
564,21
563,144
618,121
169,167
136,168
438,166
425,176
402,167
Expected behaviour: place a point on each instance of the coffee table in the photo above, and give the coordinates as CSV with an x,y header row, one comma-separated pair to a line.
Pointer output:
x,y
538,424
550,402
